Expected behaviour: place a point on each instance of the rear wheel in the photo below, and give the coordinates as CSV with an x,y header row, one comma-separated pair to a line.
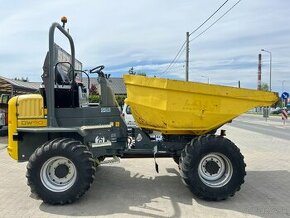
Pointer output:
x,y
60,171
212,167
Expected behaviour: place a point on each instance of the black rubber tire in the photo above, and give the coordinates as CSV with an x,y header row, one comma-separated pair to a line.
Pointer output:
x,y
193,154
99,160
176,159
77,153
102,158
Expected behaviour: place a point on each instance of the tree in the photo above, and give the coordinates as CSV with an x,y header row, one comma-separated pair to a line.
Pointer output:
x,y
93,90
22,79
94,98
131,71
265,87
94,95
120,99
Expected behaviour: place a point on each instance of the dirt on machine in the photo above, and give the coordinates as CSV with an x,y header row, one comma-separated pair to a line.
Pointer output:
x,y
64,138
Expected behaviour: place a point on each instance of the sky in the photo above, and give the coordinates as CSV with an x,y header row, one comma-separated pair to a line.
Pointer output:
x,y
147,34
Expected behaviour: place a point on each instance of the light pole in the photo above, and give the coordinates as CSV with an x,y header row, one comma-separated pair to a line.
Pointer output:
x,y
207,78
270,86
283,85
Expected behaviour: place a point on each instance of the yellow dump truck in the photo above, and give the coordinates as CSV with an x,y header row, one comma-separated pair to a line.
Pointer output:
x,y
64,139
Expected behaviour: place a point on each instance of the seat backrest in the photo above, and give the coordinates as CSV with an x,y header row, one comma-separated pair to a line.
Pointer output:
x,y
61,76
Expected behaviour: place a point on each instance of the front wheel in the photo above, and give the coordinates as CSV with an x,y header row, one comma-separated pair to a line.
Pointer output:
x,y
212,167
60,171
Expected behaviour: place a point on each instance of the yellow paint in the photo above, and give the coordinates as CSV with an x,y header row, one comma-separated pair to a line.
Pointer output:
x,y
30,106
23,111
178,107
32,122
117,124
12,125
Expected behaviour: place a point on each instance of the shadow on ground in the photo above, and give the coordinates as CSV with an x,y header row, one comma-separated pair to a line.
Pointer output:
x,y
264,194
115,191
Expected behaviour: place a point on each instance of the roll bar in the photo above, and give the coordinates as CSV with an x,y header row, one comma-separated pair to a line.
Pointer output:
x,y
51,77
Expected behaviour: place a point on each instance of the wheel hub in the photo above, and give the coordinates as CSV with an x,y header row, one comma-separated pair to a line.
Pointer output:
x,y
215,170
61,171
58,174
212,167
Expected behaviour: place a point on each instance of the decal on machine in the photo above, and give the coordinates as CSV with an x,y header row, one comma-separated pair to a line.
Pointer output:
x,y
105,110
101,141
32,123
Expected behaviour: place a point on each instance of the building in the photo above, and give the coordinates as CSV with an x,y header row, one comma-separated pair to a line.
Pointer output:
x,y
18,87
116,84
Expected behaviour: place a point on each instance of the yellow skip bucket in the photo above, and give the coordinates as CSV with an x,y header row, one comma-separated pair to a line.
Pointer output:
x,y
179,107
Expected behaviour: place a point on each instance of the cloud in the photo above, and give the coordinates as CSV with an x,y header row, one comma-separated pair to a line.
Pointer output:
x,y
147,34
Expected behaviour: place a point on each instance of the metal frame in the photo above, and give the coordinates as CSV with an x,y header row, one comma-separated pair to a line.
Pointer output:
x,y
51,77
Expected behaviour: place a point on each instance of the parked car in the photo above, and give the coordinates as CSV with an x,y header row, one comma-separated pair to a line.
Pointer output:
x,y
129,119
131,123
278,110
4,98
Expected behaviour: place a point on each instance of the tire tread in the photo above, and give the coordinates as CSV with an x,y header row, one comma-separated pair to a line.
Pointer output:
x,y
77,151
187,161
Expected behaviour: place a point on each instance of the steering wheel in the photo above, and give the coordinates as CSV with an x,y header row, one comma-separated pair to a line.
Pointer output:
x,y
97,69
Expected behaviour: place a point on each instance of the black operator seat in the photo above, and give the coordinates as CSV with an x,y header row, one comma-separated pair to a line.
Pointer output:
x,y
61,76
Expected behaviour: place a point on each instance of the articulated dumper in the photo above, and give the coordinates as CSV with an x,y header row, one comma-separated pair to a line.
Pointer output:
x,y
64,138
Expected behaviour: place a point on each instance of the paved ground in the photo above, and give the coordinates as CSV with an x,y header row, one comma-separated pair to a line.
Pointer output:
x,y
273,126
133,189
